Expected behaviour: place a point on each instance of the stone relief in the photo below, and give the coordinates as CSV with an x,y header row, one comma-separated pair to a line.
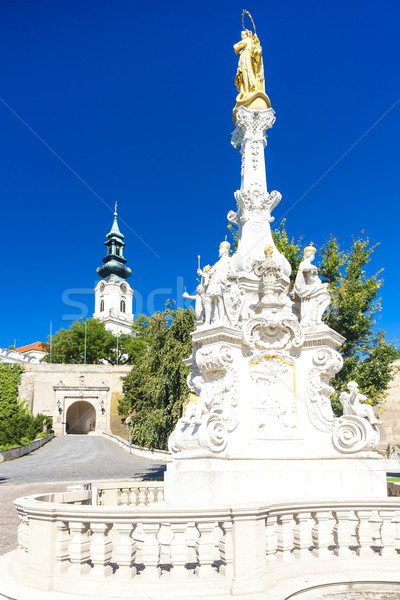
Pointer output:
x,y
274,410
353,434
207,422
327,363
356,430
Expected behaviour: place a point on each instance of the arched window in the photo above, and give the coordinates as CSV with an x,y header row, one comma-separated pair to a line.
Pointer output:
x,y
101,305
117,251
123,306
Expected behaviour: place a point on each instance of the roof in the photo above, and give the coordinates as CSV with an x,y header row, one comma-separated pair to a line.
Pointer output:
x,y
34,346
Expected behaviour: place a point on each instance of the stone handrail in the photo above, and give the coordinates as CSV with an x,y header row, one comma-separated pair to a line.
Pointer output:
x,y
129,493
67,543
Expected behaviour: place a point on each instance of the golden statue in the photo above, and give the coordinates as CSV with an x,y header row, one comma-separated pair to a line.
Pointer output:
x,y
250,73
249,78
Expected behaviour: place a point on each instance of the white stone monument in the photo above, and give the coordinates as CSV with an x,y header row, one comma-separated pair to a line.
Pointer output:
x,y
263,427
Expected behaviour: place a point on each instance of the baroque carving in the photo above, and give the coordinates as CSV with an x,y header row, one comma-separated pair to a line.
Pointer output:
x,y
326,362
274,400
262,333
251,125
352,434
352,402
208,421
356,430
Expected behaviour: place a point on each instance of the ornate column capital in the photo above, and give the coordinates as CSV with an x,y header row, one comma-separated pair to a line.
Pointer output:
x,y
251,125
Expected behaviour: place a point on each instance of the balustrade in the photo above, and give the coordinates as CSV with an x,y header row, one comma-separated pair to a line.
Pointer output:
x,y
143,544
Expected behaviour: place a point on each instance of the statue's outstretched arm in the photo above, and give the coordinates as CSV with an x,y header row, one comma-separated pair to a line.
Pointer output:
x,y
237,47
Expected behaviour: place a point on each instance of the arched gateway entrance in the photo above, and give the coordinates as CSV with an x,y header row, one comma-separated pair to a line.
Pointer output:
x,y
81,417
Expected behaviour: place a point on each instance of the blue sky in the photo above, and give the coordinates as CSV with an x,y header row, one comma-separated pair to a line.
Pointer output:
x,y
136,100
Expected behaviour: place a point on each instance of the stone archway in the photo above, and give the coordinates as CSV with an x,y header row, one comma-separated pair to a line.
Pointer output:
x,y
81,417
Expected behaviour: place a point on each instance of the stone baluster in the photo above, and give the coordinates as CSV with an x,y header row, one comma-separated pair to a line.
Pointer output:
x,y
123,496
142,496
342,533
388,534
284,532
226,549
61,547
205,551
364,533
270,538
322,533
191,536
133,496
150,495
302,535
150,552
217,534
125,551
101,549
79,548
179,551
396,524
160,494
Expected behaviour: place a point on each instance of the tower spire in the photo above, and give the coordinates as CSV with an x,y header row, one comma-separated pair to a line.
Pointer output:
x,y
113,295
114,268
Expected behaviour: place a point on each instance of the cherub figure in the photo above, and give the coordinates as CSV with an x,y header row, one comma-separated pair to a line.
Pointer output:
x,y
352,404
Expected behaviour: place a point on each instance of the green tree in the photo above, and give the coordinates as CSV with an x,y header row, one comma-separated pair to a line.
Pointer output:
x,y
156,387
68,345
17,425
353,313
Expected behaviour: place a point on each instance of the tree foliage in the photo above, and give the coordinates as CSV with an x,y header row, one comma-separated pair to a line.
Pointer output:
x,y
68,345
17,426
156,387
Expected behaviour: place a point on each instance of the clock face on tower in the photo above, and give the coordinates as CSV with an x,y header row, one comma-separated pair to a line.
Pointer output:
x,y
124,288
101,287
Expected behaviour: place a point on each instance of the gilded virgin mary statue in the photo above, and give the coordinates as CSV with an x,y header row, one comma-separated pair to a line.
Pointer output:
x,y
250,74
249,78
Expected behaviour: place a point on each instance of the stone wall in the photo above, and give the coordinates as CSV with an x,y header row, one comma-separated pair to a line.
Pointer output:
x,y
390,413
52,388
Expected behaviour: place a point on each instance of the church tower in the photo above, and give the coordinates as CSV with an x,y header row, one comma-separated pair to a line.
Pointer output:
x,y
113,295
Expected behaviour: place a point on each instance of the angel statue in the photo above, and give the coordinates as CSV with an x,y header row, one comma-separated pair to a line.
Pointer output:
x,y
250,74
202,301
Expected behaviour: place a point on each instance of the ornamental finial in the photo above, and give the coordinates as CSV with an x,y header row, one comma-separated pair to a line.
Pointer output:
x,y
115,209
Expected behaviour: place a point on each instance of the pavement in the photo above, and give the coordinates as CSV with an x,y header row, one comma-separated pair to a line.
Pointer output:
x,y
65,460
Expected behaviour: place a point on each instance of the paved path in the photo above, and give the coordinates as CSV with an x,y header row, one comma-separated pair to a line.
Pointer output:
x,y
65,460
78,458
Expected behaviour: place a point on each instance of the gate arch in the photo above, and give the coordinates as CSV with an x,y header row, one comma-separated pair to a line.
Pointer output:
x,y
81,417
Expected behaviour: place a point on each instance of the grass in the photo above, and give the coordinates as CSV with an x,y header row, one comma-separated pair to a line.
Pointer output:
x,y
393,478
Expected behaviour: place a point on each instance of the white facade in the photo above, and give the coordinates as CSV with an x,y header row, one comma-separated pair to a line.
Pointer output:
x,y
113,305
